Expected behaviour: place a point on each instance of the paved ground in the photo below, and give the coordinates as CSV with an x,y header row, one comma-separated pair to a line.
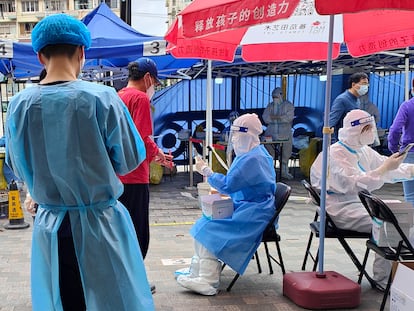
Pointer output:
x,y
174,208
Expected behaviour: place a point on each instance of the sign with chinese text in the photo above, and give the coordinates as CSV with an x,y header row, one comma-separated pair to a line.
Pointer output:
x,y
200,20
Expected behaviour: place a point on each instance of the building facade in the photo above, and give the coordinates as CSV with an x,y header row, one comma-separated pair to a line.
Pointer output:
x,y
174,7
18,17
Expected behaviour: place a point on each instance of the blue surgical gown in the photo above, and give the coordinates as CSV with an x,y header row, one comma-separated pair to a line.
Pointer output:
x,y
251,183
68,142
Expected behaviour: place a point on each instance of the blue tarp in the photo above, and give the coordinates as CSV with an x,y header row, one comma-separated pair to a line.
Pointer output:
x,y
183,105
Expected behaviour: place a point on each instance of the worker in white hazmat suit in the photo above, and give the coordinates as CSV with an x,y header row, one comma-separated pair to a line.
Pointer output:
x,y
278,116
354,166
250,182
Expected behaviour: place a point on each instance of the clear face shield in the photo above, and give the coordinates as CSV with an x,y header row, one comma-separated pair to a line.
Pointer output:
x,y
369,133
234,138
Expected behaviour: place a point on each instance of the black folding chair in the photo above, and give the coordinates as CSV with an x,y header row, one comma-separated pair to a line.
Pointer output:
x,y
402,251
270,234
331,232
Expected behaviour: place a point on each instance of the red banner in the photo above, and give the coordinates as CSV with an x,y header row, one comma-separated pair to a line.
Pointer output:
x,y
203,17
194,48
383,30
327,7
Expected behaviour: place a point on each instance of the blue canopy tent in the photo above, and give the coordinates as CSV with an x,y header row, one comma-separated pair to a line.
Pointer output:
x,y
23,62
111,36
114,45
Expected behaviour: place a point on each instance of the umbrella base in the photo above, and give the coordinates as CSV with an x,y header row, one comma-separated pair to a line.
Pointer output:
x,y
329,291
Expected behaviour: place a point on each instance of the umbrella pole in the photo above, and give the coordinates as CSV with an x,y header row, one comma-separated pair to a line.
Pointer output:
x,y
209,117
407,87
326,143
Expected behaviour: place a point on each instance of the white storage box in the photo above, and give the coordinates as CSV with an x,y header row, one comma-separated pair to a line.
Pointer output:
x,y
388,236
402,289
203,188
214,206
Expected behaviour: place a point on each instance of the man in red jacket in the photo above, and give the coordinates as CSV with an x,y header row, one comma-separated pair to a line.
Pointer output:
x,y
142,77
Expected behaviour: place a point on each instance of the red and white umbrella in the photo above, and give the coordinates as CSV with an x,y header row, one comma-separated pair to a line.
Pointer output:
x,y
302,36
207,19
395,30
207,30
327,7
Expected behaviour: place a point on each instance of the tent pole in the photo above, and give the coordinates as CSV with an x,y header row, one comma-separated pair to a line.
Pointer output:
x,y
326,143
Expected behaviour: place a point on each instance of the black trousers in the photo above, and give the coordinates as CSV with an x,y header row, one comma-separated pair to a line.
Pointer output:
x,y
136,199
71,290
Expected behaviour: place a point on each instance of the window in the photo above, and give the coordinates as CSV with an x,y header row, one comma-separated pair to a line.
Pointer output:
x,y
83,4
55,5
28,27
7,29
30,6
113,4
7,6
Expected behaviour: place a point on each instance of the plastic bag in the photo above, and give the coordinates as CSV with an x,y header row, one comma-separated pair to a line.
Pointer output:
x,y
156,173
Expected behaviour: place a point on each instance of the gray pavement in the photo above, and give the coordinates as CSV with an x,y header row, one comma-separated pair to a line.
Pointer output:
x,y
174,208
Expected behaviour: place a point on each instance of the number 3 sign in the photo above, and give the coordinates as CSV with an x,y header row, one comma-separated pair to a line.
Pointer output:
x,y
154,48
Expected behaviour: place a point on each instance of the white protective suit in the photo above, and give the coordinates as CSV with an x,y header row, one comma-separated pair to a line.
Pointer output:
x,y
250,182
68,142
354,166
278,116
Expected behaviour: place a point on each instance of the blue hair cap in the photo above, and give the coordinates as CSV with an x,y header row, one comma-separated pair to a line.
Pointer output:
x,y
60,29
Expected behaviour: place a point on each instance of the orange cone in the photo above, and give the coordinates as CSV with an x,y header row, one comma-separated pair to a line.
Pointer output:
x,y
16,217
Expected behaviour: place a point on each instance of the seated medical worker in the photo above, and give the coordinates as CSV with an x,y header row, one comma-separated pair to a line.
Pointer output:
x,y
250,182
354,166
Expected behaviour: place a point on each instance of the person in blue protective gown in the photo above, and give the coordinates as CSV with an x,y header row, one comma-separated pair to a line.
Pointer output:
x,y
68,139
250,182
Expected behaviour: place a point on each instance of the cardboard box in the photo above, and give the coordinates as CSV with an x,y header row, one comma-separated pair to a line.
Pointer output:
x,y
214,206
388,235
402,290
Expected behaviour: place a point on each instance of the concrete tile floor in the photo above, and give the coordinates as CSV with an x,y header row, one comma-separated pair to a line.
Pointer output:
x,y
174,208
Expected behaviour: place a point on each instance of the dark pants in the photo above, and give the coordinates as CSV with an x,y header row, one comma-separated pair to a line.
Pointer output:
x,y
71,290
136,199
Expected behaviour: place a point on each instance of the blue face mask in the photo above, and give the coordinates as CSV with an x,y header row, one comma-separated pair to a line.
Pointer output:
x,y
363,89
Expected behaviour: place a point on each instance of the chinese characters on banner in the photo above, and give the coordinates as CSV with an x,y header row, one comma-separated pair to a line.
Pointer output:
x,y
385,43
234,15
305,25
221,52
383,30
